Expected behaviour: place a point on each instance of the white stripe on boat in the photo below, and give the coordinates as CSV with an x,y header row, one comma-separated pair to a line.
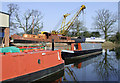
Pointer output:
x,y
68,51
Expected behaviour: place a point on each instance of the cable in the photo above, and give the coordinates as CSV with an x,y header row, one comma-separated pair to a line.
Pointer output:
x,y
58,24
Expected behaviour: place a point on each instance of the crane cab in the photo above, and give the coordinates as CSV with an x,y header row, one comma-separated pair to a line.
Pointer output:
x,y
47,34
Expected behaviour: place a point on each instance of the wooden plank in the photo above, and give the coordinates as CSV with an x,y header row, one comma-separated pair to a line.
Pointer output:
x,y
6,37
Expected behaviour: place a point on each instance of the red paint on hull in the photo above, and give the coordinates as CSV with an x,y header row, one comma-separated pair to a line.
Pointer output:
x,y
18,64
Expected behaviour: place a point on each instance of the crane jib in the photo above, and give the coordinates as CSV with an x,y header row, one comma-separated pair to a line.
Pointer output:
x,y
65,27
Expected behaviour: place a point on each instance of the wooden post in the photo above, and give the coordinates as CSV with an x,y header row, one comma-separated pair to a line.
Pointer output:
x,y
6,32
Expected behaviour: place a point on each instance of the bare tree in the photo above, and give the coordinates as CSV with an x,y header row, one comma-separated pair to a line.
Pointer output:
x,y
12,10
30,19
38,24
105,21
23,21
77,27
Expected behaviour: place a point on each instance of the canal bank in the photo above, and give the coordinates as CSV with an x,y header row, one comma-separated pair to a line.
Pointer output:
x,y
109,45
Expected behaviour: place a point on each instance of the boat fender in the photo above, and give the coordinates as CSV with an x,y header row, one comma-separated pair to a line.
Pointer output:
x,y
58,56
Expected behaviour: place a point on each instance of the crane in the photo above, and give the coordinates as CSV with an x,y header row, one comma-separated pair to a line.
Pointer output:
x,y
65,27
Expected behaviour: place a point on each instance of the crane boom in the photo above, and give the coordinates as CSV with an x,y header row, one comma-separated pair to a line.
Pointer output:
x,y
64,29
64,20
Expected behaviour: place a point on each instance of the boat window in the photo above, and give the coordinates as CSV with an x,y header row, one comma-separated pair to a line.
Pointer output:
x,y
62,38
33,36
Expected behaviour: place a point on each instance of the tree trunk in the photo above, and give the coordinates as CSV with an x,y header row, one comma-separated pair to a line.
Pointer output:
x,y
105,35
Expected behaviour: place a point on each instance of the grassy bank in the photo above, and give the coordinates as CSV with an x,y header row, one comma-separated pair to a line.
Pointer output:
x,y
109,45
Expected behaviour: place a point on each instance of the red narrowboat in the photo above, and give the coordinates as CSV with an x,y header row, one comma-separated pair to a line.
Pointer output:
x,y
30,66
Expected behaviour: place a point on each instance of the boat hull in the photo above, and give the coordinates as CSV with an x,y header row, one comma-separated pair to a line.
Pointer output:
x,y
82,50
39,75
30,66
79,54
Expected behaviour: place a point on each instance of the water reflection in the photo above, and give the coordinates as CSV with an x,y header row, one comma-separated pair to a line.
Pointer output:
x,y
117,51
71,73
72,65
58,80
106,67
96,68
53,78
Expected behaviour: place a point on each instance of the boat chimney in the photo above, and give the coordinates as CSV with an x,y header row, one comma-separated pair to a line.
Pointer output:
x,y
52,44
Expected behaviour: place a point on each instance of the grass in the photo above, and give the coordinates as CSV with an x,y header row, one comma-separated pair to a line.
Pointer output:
x,y
109,45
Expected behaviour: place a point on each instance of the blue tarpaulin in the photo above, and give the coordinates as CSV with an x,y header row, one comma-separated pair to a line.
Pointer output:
x,y
1,34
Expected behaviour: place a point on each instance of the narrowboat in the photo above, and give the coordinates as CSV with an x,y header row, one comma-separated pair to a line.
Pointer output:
x,y
81,50
28,65
77,61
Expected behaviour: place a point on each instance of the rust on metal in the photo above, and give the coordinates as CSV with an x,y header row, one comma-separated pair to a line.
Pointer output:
x,y
42,37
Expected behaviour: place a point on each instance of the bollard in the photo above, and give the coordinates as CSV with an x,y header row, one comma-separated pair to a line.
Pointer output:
x,y
52,44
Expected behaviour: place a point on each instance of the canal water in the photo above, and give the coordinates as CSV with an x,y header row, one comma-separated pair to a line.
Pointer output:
x,y
102,67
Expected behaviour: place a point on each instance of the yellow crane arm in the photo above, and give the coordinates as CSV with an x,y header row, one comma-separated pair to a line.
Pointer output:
x,y
64,29
64,20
